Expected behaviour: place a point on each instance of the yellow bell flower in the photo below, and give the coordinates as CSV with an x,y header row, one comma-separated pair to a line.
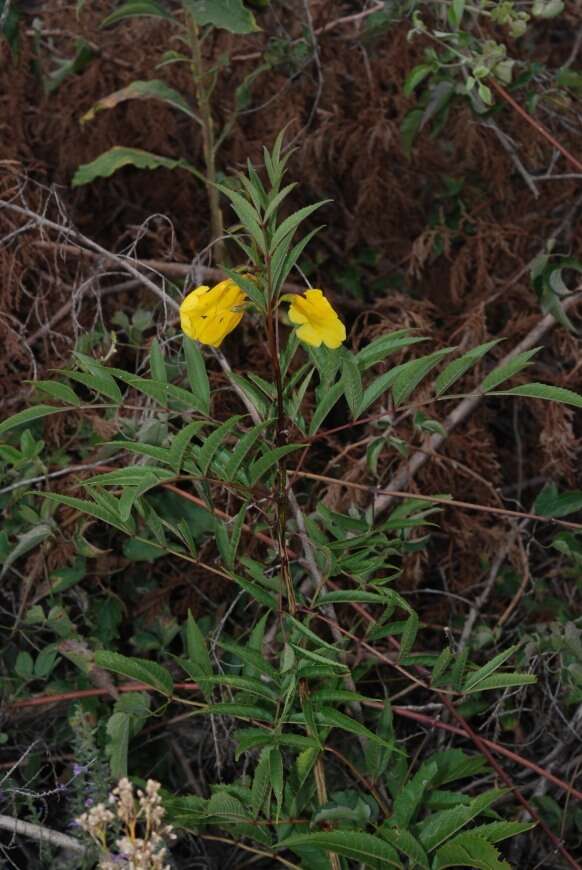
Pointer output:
x,y
208,315
317,320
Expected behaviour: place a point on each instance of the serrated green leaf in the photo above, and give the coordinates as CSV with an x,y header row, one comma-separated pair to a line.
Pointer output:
x,y
410,374
197,649
403,840
409,799
438,827
336,719
261,786
243,448
503,681
213,442
92,509
142,670
469,850
356,845
458,367
504,372
543,391
441,664
474,678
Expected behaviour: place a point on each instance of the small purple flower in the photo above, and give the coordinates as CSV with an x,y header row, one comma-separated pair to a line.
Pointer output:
x,y
89,802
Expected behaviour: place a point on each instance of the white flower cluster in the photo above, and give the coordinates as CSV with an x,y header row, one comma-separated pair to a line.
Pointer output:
x,y
144,816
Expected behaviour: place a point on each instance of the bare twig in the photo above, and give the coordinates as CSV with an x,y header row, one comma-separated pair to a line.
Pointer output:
x,y
42,834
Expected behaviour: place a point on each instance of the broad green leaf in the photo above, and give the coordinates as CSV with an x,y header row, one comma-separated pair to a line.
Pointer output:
x,y
455,764
142,670
29,415
504,372
229,15
458,367
551,503
260,466
116,158
155,89
137,8
243,448
543,391
415,77
197,375
352,383
356,845
469,850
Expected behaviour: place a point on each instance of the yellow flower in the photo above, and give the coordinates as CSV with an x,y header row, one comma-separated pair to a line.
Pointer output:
x,y
208,315
318,322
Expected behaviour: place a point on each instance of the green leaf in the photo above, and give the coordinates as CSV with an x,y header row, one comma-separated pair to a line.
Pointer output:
x,y
243,448
154,89
381,347
458,367
180,442
469,850
473,679
551,503
439,826
410,797
197,375
277,776
416,76
260,466
330,716
157,363
240,711
141,670
213,442
410,374
440,666
504,372
352,383
92,509
324,406
261,786
250,287
116,158
248,216
29,415
197,649
405,843
544,391
26,542
504,681
24,665
56,390
290,224
409,635
229,15
99,379
495,832
137,8
250,657
356,845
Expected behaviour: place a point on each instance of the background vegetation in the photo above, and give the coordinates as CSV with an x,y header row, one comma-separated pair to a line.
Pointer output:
x,y
444,139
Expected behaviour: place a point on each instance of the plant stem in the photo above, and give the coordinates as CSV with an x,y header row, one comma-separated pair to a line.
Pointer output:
x,y
199,77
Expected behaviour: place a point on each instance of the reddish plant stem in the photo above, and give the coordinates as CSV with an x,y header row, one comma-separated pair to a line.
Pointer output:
x,y
43,700
537,125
